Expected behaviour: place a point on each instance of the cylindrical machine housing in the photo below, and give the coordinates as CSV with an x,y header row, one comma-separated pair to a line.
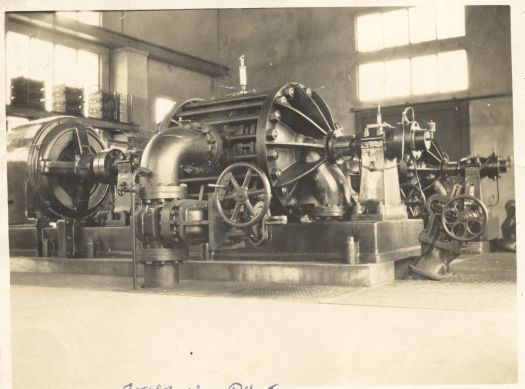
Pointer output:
x,y
285,132
50,172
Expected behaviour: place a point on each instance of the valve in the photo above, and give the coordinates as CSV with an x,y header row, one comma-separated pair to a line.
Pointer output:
x,y
464,218
242,204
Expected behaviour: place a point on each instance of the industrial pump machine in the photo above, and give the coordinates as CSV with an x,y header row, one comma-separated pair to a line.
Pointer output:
x,y
257,176
268,168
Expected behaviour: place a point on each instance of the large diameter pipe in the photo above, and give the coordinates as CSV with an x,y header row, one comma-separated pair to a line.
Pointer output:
x,y
170,148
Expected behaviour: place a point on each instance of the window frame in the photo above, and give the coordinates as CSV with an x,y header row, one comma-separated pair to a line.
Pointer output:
x,y
381,10
411,93
54,44
78,44
66,15
433,47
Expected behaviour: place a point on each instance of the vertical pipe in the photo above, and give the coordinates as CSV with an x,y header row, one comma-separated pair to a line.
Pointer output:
x,y
205,251
141,171
350,256
133,237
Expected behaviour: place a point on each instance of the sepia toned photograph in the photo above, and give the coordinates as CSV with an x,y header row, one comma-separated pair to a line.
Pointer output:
x,y
260,197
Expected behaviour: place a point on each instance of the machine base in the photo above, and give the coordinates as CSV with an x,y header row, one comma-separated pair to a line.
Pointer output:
x,y
91,242
23,240
297,273
379,241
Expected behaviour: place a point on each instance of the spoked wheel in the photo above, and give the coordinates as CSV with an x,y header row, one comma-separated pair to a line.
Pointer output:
x,y
61,178
413,199
242,195
464,218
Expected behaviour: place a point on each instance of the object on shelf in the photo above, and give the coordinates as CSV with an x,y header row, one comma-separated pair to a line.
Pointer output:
x,y
139,111
103,105
27,93
68,100
124,107
132,109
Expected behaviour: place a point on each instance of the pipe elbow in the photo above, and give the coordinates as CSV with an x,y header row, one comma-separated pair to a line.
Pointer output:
x,y
168,150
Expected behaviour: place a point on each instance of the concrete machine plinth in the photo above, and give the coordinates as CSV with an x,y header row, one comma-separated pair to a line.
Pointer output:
x,y
297,273
308,254
379,241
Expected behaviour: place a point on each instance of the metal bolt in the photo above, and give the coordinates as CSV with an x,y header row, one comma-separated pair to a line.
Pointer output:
x,y
276,115
272,134
284,190
289,91
273,155
282,100
308,92
276,173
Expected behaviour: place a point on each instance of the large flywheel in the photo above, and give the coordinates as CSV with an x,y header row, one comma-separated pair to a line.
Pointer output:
x,y
65,169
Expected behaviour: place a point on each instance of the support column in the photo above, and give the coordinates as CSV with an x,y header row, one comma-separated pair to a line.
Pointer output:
x,y
129,75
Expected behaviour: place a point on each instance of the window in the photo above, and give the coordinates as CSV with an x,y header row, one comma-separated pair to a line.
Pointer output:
x,y
52,63
412,74
162,107
381,30
437,73
87,17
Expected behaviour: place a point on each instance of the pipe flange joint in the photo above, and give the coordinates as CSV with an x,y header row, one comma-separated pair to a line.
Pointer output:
x,y
158,192
162,255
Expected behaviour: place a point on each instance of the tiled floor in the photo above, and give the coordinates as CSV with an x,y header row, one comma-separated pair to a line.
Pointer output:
x,y
73,331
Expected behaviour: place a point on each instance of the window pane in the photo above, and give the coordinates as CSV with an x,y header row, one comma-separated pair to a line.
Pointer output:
x,y
162,108
395,28
369,35
88,74
88,70
16,60
450,20
69,15
397,78
41,59
17,55
65,66
453,71
422,24
89,17
41,67
371,81
424,75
